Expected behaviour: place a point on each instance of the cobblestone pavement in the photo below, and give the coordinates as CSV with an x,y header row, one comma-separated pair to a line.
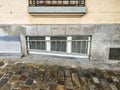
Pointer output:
x,y
27,76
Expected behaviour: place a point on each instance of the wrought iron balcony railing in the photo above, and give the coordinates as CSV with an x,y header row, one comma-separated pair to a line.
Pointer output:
x,y
56,3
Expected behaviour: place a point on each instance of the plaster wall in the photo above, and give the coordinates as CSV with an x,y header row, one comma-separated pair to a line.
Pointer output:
x,y
98,12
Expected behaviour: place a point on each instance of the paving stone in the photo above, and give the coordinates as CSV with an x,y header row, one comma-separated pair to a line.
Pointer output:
x,y
19,72
61,75
44,77
16,89
3,81
1,74
40,75
23,77
29,66
115,79
110,80
6,87
43,86
18,84
4,70
18,64
29,82
52,87
1,63
69,85
105,84
25,72
25,88
75,80
113,87
14,78
117,84
53,76
8,74
33,74
67,73
96,80
99,86
60,87
14,69
9,66
35,87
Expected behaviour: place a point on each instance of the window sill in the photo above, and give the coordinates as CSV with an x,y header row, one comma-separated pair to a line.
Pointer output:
x,y
59,54
56,10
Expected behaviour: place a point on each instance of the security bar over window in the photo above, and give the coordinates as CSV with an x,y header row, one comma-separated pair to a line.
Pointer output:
x,y
56,2
37,43
68,44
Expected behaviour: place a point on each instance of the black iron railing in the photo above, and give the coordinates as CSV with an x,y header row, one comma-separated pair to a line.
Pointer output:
x,y
56,2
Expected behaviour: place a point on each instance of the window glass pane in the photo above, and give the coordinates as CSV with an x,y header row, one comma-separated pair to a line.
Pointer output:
x,y
58,44
80,44
37,43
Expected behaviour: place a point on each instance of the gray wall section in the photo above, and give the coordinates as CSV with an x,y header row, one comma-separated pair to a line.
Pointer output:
x,y
15,30
104,36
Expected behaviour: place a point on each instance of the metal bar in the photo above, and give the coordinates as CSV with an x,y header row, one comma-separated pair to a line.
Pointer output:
x,y
76,47
28,43
88,52
81,47
35,3
36,44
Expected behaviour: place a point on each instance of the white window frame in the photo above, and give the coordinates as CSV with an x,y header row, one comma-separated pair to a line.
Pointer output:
x,y
68,52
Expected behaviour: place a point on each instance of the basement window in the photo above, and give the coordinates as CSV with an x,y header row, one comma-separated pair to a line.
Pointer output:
x,y
60,44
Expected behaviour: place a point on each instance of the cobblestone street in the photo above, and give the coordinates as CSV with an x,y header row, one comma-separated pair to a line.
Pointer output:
x,y
27,76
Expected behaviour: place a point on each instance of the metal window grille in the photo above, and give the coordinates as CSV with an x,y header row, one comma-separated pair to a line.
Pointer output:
x,y
79,45
36,43
58,44
56,2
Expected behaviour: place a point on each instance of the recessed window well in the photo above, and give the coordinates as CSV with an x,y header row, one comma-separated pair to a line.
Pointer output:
x,y
114,54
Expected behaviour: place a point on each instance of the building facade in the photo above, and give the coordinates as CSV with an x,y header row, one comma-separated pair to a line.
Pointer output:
x,y
88,29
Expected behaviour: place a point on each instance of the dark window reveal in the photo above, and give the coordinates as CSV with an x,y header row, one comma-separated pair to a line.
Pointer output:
x,y
114,54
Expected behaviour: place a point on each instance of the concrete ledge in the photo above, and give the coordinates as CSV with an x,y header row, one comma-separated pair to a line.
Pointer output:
x,y
10,55
60,54
56,10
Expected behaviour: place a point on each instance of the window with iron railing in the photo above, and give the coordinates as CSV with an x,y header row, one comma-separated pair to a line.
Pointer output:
x,y
56,2
68,44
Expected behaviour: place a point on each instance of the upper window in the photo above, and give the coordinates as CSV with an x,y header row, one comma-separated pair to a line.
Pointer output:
x,y
56,2
57,7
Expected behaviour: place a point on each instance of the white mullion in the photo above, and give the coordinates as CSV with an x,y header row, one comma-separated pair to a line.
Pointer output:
x,y
88,51
69,44
28,43
48,44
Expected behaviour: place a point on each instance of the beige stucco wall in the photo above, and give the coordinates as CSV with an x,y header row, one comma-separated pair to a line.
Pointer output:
x,y
98,11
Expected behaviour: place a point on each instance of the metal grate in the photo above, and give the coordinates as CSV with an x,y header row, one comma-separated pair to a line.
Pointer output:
x,y
60,44
56,2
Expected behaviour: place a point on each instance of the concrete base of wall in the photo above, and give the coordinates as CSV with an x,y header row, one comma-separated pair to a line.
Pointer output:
x,y
11,55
